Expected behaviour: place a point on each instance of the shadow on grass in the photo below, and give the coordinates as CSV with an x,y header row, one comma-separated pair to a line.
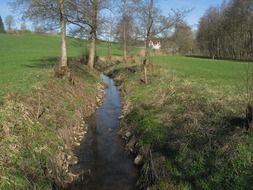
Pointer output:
x,y
75,64
216,58
205,146
231,123
43,63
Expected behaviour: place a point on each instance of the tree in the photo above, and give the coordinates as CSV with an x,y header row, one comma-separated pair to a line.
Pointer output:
x,y
9,22
87,18
149,25
226,31
126,25
108,33
49,13
2,30
183,38
153,23
125,33
64,57
94,20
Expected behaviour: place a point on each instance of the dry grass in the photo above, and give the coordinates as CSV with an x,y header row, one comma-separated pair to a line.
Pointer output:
x,y
39,131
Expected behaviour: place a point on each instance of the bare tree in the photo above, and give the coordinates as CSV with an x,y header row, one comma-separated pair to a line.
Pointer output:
x,y
183,38
125,33
49,13
87,18
153,23
226,31
9,22
149,26
64,57
126,9
108,32
94,20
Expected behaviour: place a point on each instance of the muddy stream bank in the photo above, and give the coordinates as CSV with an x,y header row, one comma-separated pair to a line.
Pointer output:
x,y
103,162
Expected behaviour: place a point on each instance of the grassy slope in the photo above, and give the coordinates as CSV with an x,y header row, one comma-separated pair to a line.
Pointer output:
x,y
32,145
26,58
191,112
28,142
213,73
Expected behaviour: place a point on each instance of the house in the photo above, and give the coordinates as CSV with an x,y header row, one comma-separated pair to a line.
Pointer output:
x,y
155,44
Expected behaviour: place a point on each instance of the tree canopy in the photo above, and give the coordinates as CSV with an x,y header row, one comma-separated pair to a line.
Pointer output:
x,y
227,31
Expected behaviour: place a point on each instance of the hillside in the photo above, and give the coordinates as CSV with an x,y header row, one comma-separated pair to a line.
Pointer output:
x,y
186,127
27,58
41,116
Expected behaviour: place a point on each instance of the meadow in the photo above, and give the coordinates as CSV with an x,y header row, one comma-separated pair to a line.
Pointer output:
x,y
191,113
30,142
225,75
25,59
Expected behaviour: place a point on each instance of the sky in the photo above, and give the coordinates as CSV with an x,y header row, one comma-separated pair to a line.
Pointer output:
x,y
4,10
199,7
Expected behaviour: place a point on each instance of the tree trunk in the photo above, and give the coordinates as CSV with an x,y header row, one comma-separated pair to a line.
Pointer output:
x,y
149,27
64,57
125,42
146,59
109,50
92,52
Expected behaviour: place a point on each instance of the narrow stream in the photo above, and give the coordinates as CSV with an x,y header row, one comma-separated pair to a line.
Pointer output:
x,y
102,152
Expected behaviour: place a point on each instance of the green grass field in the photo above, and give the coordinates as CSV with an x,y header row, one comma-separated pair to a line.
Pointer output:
x,y
25,59
29,142
221,75
187,110
192,113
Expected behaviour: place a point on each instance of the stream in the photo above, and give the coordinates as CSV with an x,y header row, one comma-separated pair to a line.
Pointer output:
x,y
102,152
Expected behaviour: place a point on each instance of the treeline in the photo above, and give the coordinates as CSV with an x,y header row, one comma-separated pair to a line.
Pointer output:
x,y
226,31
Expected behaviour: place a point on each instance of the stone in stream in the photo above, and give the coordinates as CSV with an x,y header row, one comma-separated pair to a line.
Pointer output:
x,y
120,117
138,160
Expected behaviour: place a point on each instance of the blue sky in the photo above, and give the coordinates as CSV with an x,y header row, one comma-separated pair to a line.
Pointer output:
x,y
4,10
199,8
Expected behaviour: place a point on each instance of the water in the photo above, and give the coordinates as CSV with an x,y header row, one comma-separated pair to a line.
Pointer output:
x,y
102,152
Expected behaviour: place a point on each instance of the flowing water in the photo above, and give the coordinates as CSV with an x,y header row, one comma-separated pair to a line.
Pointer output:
x,y
102,152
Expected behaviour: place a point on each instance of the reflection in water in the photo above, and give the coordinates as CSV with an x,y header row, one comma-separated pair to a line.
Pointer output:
x,y
102,154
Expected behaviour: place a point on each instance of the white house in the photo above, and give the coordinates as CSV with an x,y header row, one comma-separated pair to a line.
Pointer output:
x,y
155,44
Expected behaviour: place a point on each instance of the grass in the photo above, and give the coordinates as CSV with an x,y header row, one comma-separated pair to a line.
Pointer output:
x,y
39,113
25,59
192,113
222,75
30,145
102,49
